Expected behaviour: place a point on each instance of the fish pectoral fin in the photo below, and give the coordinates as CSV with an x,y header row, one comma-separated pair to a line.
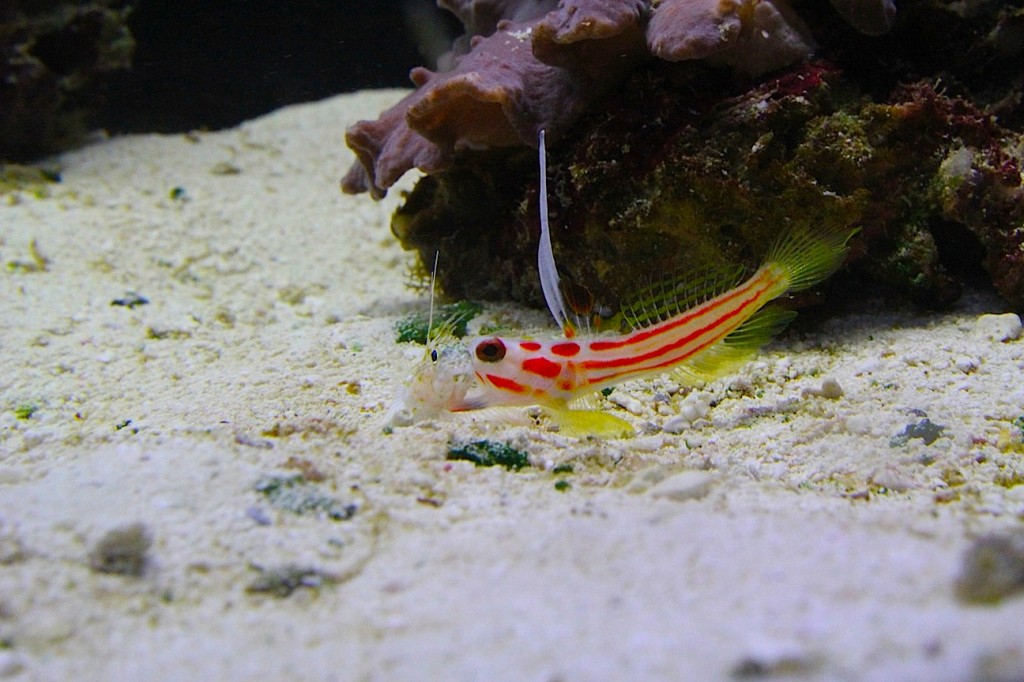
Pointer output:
x,y
582,423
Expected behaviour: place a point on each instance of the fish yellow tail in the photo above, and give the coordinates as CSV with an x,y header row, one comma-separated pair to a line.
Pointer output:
x,y
807,257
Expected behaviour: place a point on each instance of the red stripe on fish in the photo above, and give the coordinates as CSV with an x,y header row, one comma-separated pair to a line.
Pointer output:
x,y
630,360
673,323
505,383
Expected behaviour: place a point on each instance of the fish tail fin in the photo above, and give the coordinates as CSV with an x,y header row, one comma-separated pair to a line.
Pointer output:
x,y
807,257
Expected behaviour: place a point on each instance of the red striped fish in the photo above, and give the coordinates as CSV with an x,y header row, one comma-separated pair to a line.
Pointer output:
x,y
690,327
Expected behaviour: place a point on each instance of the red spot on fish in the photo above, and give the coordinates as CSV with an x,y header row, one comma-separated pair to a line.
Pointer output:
x,y
566,350
565,385
543,367
605,345
505,384
529,345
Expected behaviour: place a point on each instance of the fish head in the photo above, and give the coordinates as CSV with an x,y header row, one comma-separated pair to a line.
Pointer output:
x,y
439,382
517,371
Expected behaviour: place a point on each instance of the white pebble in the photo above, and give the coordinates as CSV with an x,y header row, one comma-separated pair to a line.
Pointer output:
x,y
913,359
966,364
869,366
11,663
859,424
830,389
688,485
1006,327
889,478
627,402
676,424
644,479
647,443
695,406
10,474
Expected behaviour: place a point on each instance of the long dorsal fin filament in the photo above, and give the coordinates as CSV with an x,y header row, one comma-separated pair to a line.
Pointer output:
x,y
549,280
433,283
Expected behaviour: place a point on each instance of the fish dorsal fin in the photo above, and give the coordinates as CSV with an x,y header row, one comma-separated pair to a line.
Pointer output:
x,y
549,280
443,325
669,297
433,286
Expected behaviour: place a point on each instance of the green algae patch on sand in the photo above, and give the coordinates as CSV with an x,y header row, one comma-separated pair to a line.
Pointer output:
x,y
488,453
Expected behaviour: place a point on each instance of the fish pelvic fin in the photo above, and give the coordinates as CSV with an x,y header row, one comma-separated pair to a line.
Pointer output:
x,y
736,349
588,423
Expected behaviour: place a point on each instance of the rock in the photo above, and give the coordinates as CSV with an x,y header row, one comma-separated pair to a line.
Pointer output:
x,y
627,402
56,58
11,663
1003,328
830,389
993,568
122,551
770,658
688,485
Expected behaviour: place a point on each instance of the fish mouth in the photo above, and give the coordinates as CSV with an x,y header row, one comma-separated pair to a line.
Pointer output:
x,y
467,403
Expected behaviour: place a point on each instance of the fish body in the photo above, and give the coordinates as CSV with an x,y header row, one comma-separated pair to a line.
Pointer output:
x,y
559,371
696,332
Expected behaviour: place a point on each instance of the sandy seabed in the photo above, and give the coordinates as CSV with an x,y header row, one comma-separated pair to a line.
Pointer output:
x,y
198,486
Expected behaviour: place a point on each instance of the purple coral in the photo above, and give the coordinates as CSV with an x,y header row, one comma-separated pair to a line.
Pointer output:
x,y
752,37
524,65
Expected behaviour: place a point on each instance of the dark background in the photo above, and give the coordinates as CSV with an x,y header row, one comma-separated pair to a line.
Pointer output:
x,y
214,63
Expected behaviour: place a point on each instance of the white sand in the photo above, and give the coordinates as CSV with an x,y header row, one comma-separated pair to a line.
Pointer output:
x,y
781,533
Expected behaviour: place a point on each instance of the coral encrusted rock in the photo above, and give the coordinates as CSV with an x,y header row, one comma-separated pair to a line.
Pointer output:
x,y
54,58
927,179
914,138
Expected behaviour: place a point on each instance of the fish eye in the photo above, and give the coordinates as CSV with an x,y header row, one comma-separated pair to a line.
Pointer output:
x,y
491,350
433,355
